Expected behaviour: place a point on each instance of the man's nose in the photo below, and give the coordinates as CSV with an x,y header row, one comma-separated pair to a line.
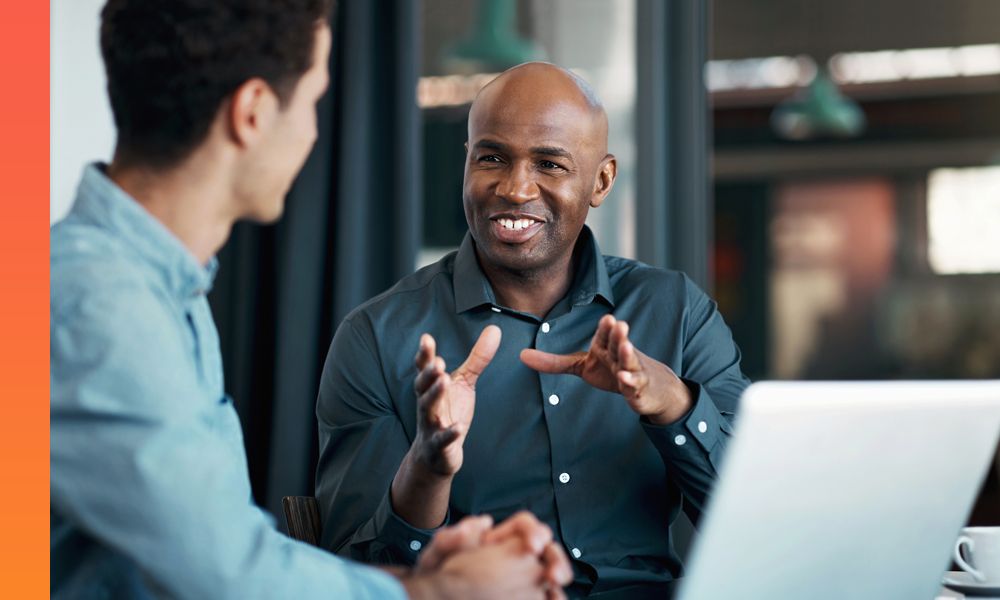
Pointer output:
x,y
518,186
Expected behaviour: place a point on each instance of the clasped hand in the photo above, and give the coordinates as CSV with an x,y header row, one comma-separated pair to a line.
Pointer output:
x,y
516,559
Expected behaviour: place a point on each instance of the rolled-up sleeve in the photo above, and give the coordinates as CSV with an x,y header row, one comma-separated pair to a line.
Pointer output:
x,y
361,445
143,461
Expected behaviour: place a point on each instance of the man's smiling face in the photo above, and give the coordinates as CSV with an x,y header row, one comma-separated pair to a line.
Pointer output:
x,y
536,150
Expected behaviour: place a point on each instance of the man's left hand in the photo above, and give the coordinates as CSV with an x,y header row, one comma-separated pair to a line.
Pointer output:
x,y
612,363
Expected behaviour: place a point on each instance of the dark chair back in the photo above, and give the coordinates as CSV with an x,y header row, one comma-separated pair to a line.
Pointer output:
x,y
302,518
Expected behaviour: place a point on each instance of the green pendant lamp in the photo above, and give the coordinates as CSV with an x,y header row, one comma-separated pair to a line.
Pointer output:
x,y
820,110
494,45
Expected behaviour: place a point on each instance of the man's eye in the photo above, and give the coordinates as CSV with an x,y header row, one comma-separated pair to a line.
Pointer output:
x,y
548,164
489,158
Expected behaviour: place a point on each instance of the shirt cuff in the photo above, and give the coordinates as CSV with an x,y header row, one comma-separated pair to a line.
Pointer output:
x,y
404,541
699,431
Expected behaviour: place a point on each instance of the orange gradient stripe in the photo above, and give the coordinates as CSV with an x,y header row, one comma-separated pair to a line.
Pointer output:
x,y
24,276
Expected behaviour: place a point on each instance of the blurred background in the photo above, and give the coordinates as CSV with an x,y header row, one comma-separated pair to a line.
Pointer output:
x,y
828,171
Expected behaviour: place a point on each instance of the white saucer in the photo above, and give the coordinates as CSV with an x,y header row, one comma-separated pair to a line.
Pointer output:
x,y
961,581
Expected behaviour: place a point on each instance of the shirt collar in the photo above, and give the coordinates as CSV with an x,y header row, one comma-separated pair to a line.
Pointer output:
x,y
101,202
473,289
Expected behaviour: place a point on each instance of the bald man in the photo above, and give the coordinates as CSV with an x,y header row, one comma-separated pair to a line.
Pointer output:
x,y
594,391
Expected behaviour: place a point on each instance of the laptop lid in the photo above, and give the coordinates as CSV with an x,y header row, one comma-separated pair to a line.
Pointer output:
x,y
844,490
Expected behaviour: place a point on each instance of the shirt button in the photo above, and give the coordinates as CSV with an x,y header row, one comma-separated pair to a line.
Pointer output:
x,y
576,553
564,477
415,545
679,440
545,328
702,426
553,399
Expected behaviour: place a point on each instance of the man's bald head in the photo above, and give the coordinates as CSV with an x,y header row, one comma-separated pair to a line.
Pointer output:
x,y
537,162
544,85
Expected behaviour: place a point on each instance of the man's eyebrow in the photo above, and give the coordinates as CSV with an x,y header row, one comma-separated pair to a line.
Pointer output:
x,y
490,145
552,151
542,150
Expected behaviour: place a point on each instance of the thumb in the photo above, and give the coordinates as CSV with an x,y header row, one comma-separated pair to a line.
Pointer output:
x,y
546,362
481,355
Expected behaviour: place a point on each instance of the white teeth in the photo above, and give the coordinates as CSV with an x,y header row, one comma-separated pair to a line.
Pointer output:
x,y
517,225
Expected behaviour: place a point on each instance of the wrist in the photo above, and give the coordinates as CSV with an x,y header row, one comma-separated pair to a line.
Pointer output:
x,y
427,466
676,403
418,497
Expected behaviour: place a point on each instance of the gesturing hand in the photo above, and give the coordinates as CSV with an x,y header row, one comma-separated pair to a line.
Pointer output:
x,y
612,363
445,403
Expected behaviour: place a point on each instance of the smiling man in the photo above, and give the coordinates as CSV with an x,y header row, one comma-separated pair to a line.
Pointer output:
x,y
595,391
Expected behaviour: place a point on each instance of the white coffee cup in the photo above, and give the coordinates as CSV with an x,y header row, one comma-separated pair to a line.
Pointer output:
x,y
981,556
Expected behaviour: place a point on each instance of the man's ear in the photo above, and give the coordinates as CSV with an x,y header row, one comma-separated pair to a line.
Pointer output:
x,y
251,111
606,174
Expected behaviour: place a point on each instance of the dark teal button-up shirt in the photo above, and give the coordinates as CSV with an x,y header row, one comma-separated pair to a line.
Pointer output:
x,y
608,482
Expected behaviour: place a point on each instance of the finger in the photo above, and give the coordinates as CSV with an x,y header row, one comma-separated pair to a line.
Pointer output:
x,y
555,593
445,543
525,526
432,405
425,352
628,358
470,530
546,362
475,527
467,534
428,375
482,353
523,568
618,335
630,383
431,396
526,565
557,568
604,326
443,438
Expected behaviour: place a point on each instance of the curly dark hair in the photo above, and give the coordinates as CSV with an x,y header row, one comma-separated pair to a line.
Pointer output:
x,y
171,63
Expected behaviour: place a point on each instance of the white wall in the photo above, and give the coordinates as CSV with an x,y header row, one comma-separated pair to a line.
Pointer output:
x,y
81,127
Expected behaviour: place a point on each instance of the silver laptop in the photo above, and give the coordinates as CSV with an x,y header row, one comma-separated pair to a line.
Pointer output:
x,y
844,490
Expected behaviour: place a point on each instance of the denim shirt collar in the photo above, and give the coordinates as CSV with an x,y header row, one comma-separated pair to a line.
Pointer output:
x,y
101,202
473,289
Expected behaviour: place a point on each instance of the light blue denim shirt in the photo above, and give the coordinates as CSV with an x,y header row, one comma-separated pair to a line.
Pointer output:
x,y
149,485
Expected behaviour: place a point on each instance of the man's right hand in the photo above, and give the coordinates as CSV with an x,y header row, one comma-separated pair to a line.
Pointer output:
x,y
446,403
